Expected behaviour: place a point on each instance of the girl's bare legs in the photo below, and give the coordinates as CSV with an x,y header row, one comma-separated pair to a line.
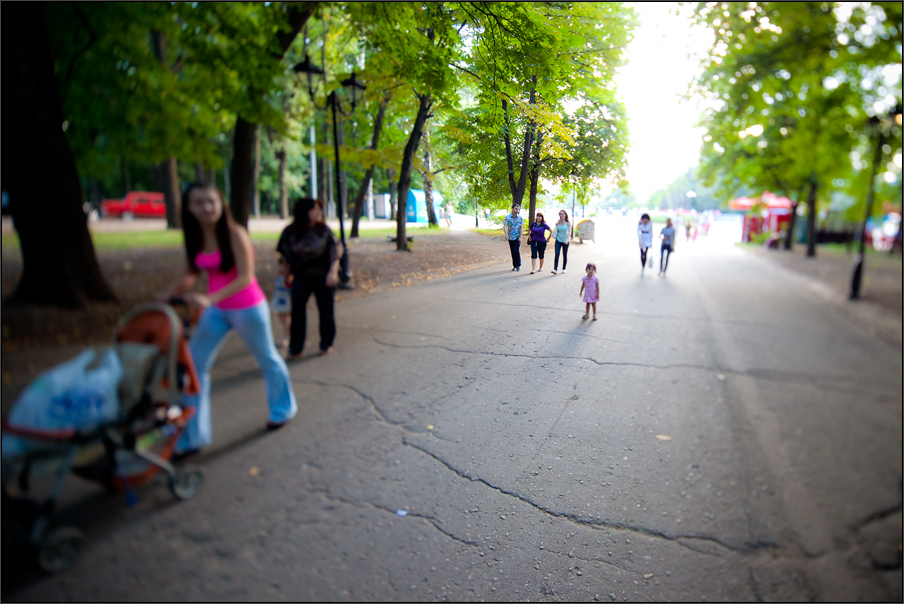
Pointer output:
x,y
593,304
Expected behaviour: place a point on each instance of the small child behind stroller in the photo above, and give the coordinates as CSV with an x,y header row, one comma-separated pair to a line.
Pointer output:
x,y
112,415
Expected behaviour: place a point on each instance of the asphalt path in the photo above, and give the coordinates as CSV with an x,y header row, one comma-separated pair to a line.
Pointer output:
x,y
720,433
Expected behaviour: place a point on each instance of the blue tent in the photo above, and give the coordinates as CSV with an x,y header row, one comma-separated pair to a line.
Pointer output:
x,y
416,210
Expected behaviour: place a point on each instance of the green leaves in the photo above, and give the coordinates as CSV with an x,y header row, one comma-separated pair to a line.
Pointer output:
x,y
792,86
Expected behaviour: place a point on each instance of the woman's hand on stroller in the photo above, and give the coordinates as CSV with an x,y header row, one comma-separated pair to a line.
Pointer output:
x,y
196,300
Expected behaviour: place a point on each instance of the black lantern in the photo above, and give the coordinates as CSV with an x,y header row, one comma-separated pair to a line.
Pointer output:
x,y
335,107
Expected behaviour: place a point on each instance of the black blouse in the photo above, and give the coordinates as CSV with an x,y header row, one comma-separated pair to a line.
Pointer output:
x,y
311,254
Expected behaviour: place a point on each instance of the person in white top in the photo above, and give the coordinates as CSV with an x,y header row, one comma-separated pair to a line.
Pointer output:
x,y
645,240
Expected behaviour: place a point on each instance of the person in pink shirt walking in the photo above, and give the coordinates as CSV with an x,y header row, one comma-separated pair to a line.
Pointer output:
x,y
590,290
215,244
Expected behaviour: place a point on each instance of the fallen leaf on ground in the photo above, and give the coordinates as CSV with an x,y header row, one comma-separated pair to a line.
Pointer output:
x,y
663,437
254,471
648,575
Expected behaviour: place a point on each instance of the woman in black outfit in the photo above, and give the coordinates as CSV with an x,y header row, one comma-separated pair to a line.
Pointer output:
x,y
313,254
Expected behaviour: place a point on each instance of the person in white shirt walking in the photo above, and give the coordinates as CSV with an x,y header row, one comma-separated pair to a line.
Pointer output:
x,y
645,240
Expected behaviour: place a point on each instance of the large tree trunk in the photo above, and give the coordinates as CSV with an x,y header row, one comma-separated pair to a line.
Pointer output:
x,y
425,102
166,175
811,220
243,155
59,263
200,177
242,171
368,176
428,181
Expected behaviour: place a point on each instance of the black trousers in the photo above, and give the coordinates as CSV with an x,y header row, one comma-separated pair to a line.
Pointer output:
x,y
302,288
564,249
515,246
664,254
643,257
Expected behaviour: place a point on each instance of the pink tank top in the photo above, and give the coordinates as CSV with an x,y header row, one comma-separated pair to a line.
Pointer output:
x,y
247,298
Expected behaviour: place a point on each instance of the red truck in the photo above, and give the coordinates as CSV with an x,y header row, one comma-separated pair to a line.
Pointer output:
x,y
142,204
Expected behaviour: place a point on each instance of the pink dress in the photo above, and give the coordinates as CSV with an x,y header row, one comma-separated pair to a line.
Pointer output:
x,y
591,288
249,297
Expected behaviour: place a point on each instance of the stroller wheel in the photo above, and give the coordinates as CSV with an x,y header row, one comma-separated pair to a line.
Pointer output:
x,y
60,549
185,483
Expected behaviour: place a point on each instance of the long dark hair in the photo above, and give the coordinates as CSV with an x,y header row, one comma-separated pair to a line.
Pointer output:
x,y
194,236
300,226
567,220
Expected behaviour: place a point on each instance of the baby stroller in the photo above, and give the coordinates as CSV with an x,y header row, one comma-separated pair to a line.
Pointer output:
x,y
126,445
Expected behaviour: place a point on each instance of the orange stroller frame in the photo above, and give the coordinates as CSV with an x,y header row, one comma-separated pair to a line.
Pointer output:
x,y
152,408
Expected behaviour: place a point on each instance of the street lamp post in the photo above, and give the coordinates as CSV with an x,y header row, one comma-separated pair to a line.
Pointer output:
x,y
875,123
332,102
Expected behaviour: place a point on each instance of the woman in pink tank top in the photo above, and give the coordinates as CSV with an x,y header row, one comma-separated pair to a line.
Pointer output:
x,y
217,245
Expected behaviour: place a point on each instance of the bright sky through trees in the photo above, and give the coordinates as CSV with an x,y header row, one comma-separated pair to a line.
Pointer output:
x,y
662,59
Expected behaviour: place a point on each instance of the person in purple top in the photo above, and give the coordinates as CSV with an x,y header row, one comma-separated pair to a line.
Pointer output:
x,y
539,237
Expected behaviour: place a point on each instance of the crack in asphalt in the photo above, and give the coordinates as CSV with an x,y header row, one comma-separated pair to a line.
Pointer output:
x,y
823,382
579,520
435,523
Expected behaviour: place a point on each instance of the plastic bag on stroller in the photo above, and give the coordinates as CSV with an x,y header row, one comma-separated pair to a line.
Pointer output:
x,y
80,394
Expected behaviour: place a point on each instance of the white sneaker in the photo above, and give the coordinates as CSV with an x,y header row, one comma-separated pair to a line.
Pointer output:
x,y
563,271
553,272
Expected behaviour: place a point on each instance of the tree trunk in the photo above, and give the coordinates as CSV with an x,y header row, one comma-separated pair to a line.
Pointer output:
x,y
424,104
390,178
166,173
518,188
535,178
428,181
60,267
368,176
199,173
126,177
212,179
811,220
242,171
283,193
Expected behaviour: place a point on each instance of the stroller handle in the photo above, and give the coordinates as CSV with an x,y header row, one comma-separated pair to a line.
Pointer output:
x,y
175,337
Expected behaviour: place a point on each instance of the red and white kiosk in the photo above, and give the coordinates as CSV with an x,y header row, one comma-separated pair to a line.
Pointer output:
x,y
770,213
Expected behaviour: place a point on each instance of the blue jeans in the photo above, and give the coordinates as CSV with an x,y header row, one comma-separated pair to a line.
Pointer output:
x,y
563,247
253,325
664,254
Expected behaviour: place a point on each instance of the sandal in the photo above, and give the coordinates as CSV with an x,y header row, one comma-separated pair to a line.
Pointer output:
x,y
586,317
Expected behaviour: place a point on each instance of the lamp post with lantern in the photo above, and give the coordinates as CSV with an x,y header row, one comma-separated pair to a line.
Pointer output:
x,y
879,126
333,103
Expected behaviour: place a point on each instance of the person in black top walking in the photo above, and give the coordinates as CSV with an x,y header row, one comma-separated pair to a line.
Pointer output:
x,y
313,254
